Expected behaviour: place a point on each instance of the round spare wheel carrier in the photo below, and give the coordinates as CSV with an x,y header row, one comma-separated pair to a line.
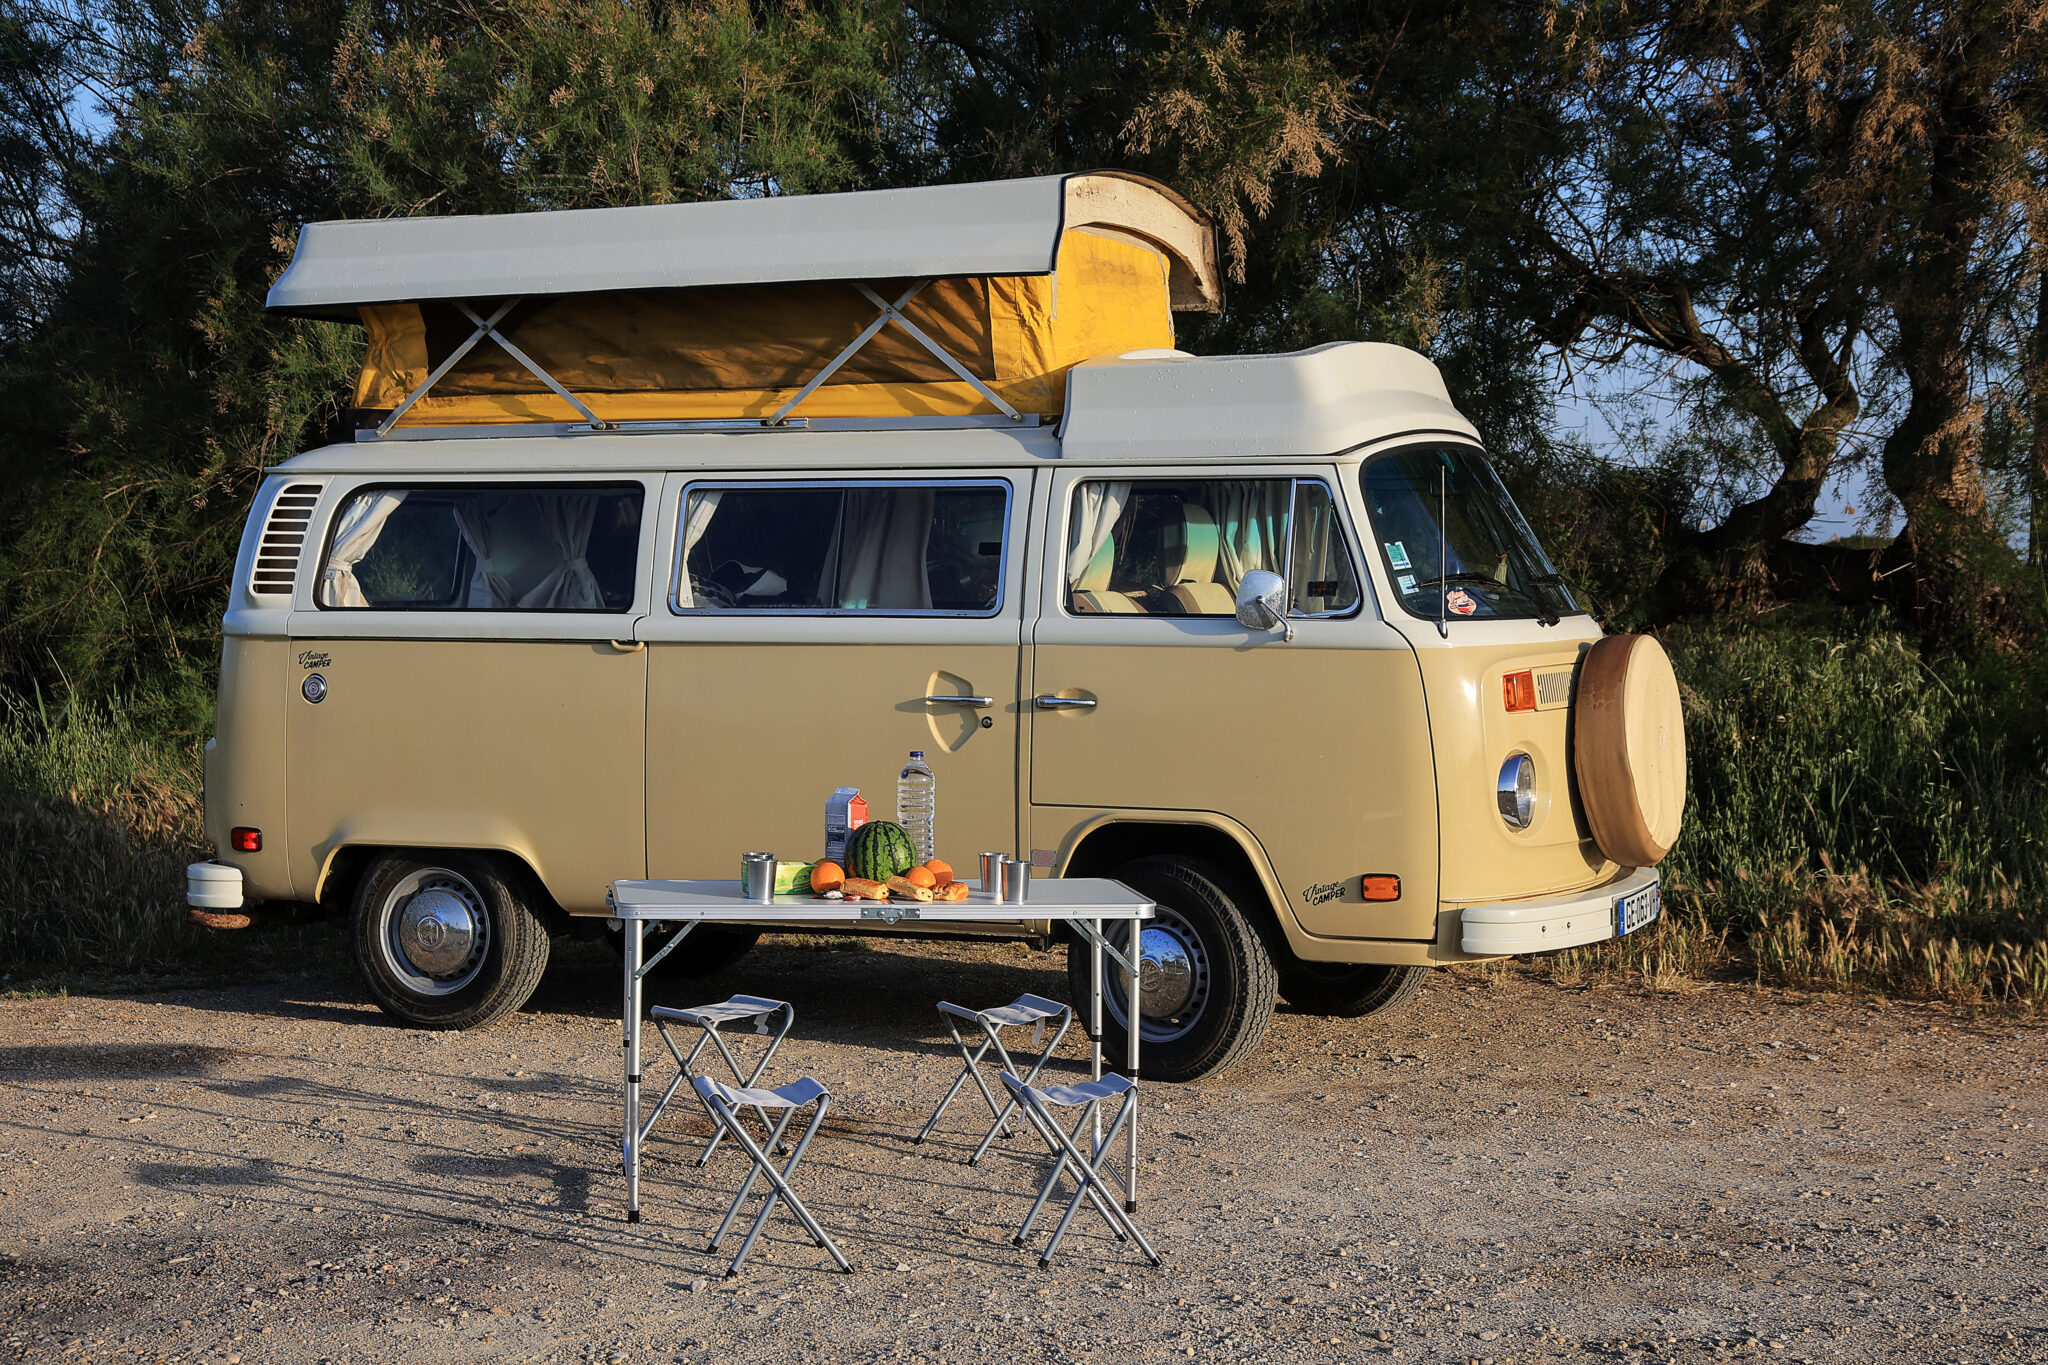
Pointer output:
x,y
1628,749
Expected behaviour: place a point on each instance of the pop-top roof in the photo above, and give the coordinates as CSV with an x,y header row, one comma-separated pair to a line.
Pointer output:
x,y
996,228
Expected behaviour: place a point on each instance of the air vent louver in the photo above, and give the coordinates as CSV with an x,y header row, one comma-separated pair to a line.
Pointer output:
x,y
284,537
1553,689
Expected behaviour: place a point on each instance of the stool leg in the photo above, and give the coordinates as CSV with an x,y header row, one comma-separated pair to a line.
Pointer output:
x,y
1049,1129
1067,1018
730,1120
972,1062
781,1190
1093,1185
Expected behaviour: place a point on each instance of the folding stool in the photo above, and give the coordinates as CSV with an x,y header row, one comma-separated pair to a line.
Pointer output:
x,y
722,1101
708,1018
1087,1173
1025,1009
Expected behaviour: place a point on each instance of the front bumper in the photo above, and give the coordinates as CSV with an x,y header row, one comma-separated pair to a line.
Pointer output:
x,y
1545,924
213,886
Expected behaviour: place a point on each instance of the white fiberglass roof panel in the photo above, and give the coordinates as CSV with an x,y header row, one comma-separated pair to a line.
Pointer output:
x,y
1004,227
1323,401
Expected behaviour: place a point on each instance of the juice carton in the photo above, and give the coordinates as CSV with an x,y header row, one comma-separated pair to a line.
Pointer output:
x,y
845,812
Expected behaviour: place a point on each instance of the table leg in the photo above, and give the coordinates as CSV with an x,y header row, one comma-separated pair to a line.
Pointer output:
x,y
634,932
1095,1020
1131,1004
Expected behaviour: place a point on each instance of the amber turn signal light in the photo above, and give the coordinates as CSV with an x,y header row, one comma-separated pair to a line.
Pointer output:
x,y
245,840
1380,886
1518,690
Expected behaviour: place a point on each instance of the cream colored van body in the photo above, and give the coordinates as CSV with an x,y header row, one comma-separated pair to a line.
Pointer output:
x,y
1340,782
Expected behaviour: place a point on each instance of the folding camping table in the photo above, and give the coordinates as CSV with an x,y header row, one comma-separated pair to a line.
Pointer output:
x,y
1083,903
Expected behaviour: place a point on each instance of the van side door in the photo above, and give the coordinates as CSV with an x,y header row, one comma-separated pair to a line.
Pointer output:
x,y
817,630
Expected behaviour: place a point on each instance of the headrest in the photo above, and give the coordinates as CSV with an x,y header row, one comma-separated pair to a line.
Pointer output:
x,y
1190,549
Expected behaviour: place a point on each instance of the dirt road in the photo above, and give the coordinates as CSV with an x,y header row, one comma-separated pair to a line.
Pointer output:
x,y
1505,1172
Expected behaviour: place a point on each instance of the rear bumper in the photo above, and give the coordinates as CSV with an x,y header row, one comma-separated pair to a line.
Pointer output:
x,y
1545,924
213,886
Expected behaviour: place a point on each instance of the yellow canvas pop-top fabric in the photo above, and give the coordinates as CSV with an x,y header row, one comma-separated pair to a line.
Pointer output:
x,y
742,351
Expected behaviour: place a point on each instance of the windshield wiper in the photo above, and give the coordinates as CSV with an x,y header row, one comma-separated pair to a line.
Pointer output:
x,y
1543,610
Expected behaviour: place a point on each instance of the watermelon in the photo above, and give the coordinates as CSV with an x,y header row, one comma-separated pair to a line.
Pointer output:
x,y
879,850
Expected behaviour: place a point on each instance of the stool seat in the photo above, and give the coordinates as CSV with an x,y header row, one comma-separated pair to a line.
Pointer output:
x,y
1025,1009
792,1096
729,1011
1085,1092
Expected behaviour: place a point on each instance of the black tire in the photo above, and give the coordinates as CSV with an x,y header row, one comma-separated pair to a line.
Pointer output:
x,y
1347,991
480,961
1230,981
709,949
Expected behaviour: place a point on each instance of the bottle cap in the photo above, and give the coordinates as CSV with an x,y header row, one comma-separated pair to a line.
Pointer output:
x,y
917,753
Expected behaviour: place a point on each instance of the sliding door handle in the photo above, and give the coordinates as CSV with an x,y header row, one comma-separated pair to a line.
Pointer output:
x,y
628,646
978,703
1066,703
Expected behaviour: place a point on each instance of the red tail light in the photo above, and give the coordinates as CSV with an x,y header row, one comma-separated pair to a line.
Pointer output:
x,y
244,840
1518,690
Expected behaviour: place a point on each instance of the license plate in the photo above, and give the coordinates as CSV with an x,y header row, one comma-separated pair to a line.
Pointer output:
x,y
1636,910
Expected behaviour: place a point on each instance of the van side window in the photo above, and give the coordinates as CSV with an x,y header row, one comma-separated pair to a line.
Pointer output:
x,y
897,548
1181,547
446,547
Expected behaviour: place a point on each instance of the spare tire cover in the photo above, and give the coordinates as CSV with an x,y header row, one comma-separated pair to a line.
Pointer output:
x,y
1628,749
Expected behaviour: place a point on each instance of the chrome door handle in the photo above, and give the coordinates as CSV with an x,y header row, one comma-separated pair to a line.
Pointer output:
x,y
1065,703
976,702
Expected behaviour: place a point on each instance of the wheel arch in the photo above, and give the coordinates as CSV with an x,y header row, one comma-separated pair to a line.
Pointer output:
x,y
343,869
1100,845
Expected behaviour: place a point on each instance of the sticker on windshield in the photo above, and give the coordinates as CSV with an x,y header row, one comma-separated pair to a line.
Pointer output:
x,y
1460,601
1397,554
1407,582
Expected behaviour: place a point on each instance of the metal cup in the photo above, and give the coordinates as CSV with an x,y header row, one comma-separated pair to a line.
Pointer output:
x,y
757,877
1016,880
992,874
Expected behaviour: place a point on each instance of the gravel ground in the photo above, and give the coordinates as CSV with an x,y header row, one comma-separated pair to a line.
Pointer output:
x,y
1501,1172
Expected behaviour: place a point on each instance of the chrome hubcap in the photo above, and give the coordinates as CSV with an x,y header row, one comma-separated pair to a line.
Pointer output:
x,y
1173,979
1166,973
436,931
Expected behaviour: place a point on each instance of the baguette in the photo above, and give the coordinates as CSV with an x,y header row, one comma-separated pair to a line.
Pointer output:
x,y
904,886
860,888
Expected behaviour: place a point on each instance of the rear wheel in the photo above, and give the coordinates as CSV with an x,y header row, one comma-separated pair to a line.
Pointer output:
x,y
447,940
1206,983
1348,991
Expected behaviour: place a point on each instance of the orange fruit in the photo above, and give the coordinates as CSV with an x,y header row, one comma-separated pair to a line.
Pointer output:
x,y
942,872
827,877
921,876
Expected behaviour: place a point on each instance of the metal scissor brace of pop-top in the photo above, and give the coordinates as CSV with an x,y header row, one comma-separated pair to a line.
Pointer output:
x,y
738,1009
1084,1095
1025,1009
724,1101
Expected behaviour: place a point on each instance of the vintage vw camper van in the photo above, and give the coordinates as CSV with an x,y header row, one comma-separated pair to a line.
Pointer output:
x,y
662,523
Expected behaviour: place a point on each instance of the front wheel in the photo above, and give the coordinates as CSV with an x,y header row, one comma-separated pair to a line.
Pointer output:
x,y
1206,984
446,940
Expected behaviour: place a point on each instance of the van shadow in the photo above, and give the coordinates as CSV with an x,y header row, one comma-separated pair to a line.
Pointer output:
x,y
849,987
115,1061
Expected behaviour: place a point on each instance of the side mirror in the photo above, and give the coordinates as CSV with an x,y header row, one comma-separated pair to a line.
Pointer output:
x,y
1262,603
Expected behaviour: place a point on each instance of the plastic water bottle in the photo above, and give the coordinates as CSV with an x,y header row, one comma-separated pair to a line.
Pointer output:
x,y
917,804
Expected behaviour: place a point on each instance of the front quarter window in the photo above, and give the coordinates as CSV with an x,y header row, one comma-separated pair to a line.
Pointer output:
x,y
1453,542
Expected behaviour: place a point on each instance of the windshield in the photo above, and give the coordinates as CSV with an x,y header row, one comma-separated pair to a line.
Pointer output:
x,y
1453,542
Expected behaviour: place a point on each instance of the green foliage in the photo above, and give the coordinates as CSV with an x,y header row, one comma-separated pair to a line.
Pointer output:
x,y
99,813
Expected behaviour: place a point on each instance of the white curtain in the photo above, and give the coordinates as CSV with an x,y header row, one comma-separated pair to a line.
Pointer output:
x,y
1251,524
1096,509
696,521
354,534
570,586
877,552
473,518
